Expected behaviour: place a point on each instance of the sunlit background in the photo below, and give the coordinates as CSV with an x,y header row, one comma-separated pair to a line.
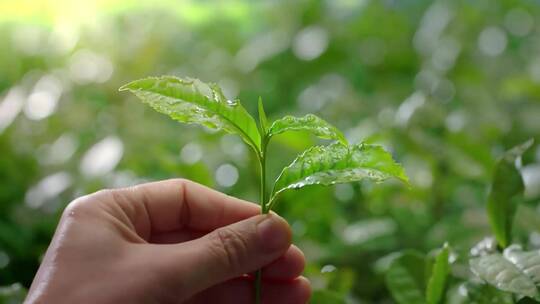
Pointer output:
x,y
446,86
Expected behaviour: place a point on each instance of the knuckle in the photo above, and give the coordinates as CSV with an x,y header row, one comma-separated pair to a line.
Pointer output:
x,y
84,203
230,247
102,192
75,206
180,180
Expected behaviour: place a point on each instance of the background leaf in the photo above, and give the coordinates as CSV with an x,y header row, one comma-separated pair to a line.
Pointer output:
x,y
437,282
405,278
336,163
527,300
326,296
506,192
503,274
13,294
485,294
192,101
526,261
311,123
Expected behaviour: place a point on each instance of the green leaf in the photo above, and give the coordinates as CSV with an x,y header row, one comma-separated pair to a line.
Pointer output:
x,y
405,278
336,163
517,151
311,123
506,191
527,300
485,294
192,101
512,272
526,261
437,282
486,246
14,293
263,121
326,296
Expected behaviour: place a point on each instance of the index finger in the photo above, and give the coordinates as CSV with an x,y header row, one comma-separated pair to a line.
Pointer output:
x,y
173,204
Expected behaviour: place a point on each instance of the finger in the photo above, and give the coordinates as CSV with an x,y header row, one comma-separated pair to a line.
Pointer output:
x,y
288,266
173,204
175,237
227,252
240,291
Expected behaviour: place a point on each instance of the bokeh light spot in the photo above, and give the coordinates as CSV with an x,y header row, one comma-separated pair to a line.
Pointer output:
x,y
519,22
4,259
492,41
191,153
226,175
47,189
102,157
310,42
87,67
10,107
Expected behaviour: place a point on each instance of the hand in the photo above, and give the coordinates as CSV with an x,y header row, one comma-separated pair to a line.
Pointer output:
x,y
173,241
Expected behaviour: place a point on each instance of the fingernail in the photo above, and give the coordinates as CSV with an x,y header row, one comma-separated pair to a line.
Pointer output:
x,y
274,233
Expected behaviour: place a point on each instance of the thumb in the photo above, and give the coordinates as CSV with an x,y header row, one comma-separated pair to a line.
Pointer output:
x,y
234,250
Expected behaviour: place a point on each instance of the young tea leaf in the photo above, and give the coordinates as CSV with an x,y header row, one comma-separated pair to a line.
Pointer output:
x,y
336,163
504,274
263,121
437,281
311,123
405,278
192,101
506,191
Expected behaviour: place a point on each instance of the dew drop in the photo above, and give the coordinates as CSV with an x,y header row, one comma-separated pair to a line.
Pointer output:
x,y
328,268
232,102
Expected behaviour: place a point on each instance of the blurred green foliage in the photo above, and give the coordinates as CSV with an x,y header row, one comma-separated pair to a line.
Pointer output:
x,y
446,86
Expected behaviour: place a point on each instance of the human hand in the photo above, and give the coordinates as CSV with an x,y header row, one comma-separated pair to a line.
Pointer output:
x,y
172,241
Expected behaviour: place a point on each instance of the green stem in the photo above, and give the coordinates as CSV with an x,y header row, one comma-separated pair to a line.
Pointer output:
x,y
270,204
258,287
264,206
264,210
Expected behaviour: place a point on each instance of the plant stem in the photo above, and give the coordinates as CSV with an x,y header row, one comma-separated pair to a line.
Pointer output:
x,y
258,287
264,210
